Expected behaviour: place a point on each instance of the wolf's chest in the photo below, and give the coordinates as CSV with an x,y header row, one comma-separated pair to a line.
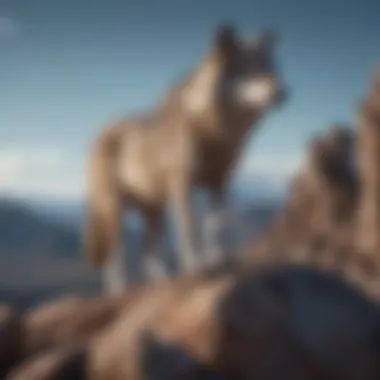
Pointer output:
x,y
213,162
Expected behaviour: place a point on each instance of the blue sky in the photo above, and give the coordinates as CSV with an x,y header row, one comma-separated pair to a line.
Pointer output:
x,y
67,67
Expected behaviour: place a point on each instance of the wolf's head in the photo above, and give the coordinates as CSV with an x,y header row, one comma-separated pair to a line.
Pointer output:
x,y
237,76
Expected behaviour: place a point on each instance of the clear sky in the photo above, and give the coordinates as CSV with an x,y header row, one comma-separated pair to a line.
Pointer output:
x,y
66,67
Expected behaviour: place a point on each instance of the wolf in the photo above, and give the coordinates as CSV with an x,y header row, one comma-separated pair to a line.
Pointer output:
x,y
192,138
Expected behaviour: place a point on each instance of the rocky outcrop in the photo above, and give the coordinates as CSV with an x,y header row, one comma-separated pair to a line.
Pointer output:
x,y
68,321
332,214
259,324
321,204
368,230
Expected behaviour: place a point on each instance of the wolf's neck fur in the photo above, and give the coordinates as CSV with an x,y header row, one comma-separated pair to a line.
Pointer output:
x,y
192,99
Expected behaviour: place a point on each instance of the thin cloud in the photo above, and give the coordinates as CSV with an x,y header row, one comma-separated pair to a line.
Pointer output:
x,y
24,160
52,187
38,172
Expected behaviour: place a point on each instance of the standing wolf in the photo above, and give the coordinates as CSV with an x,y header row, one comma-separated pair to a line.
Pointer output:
x,y
192,138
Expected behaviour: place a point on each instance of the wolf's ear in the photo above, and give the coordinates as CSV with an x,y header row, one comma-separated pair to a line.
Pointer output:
x,y
225,40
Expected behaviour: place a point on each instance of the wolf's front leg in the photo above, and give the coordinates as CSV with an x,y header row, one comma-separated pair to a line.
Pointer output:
x,y
153,262
184,225
114,277
215,229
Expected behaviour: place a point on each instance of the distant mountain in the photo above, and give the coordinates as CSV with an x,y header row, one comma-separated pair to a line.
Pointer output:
x,y
53,227
69,212
25,231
